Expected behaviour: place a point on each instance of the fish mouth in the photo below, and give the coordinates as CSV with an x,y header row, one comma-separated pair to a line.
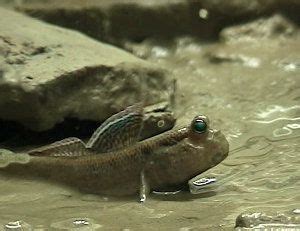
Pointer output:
x,y
222,148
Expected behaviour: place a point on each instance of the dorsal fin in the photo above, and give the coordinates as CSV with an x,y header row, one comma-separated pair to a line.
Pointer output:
x,y
67,147
119,131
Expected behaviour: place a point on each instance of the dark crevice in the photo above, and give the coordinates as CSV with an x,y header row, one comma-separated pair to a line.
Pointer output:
x,y
15,135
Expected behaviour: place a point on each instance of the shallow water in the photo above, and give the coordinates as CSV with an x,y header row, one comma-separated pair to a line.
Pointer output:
x,y
255,102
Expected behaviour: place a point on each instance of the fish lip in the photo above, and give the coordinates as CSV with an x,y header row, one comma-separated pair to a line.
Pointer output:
x,y
221,138
204,181
222,149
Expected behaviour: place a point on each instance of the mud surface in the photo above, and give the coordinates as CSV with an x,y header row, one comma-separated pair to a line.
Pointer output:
x,y
250,89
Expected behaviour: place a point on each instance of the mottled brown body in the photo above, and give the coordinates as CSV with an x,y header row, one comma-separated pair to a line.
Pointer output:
x,y
168,159
115,162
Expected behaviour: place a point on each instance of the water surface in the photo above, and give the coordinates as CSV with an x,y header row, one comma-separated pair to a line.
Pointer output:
x,y
255,102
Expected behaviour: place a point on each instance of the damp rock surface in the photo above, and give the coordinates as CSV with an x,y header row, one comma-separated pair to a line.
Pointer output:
x,y
276,26
114,21
49,73
238,8
260,220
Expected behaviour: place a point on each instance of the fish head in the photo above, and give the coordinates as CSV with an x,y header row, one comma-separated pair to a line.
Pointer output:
x,y
200,149
156,123
208,145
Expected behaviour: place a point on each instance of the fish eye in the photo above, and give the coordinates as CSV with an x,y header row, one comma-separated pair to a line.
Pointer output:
x,y
199,126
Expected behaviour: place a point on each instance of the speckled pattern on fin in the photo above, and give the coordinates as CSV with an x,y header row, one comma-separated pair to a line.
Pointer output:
x,y
67,147
119,131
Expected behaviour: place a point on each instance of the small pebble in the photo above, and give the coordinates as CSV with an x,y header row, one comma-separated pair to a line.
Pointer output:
x,y
296,211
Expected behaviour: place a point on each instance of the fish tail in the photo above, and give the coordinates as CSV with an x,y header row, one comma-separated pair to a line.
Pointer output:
x,y
7,157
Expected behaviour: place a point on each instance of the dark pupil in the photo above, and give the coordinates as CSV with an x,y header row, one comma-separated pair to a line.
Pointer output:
x,y
200,126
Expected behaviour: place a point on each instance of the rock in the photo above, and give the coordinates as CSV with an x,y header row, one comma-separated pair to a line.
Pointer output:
x,y
76,223
263,28
17,225
235,40
113,21
234,8
262,221
49,73
237,10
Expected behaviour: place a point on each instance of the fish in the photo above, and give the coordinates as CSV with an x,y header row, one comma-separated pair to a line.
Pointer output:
x,y
116,162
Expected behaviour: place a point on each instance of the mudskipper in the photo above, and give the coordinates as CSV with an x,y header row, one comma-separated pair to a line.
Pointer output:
x,y
116,162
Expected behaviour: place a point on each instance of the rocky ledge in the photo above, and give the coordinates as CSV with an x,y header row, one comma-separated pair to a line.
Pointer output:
x,y
48,73
262,221
136,20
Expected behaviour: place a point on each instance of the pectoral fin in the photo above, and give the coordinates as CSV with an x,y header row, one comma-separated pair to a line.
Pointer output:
x,y
67,147
144,187
119,131
200,184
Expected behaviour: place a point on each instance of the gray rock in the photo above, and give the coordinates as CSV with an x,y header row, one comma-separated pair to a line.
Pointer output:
x,y
17,225
136,20
235,40
49,73
258,220
113,21
263,28
236,11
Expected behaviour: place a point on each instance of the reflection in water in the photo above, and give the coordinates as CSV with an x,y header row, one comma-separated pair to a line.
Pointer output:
x,y
276,111
285,126
17,225
269,164
76,223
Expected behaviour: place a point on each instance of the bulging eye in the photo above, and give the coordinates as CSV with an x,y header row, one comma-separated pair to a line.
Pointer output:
x,y
199,126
